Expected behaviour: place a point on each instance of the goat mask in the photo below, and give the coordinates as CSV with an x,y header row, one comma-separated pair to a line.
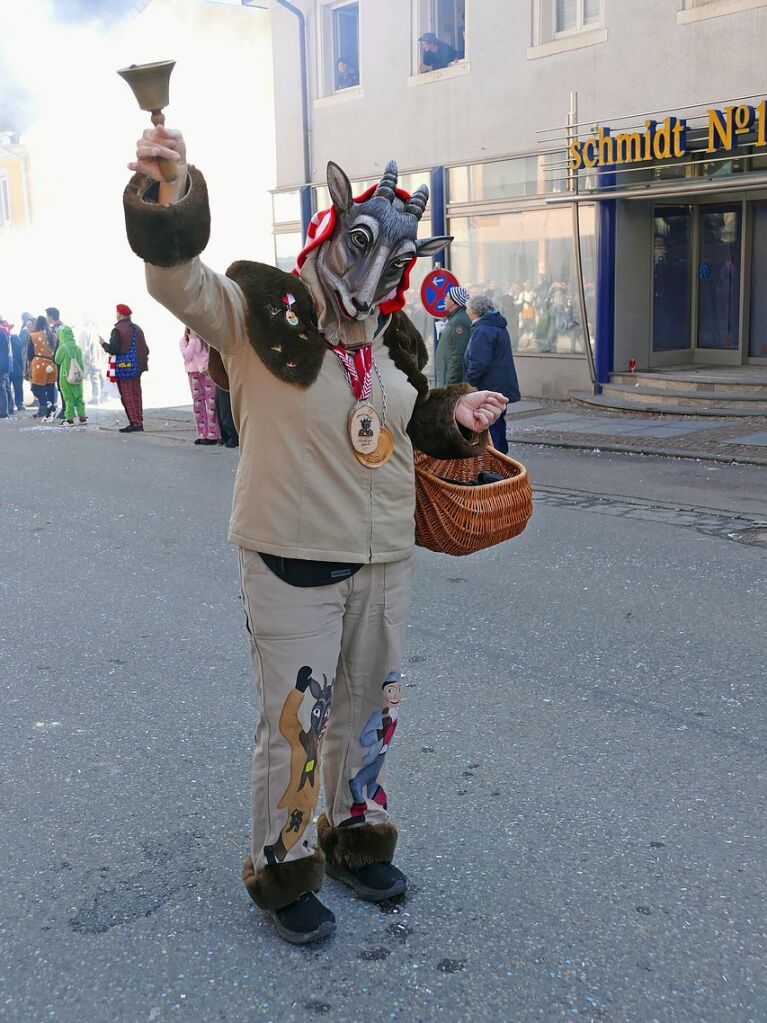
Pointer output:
x,y
367,246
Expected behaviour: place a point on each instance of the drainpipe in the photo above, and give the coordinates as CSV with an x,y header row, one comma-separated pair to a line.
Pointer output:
x,y
305,191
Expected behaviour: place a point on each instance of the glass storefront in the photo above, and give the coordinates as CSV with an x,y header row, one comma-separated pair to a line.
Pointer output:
x,y
525,261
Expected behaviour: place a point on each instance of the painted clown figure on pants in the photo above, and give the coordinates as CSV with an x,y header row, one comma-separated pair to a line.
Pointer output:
x,y
328,394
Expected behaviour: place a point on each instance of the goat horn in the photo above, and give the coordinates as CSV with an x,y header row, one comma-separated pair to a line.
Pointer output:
x,y
416,204
388,183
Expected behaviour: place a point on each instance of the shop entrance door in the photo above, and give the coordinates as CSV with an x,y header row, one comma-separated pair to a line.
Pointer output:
x,y
718,320
757,340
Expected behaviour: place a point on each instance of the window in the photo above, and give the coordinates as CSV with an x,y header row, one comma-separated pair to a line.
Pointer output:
x,y
525,262
562,25
5,203
341,46
702,10
440,34
575,15
506,179
286,214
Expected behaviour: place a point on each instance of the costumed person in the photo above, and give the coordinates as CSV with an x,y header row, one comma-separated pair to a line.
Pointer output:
x,y
195,353
329,397
42,368
69,359
128,345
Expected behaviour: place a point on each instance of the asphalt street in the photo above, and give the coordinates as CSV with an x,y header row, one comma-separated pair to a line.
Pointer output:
x,y
578,774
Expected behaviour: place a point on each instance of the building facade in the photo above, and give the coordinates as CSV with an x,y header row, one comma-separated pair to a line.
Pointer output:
x,y
15,205
649,256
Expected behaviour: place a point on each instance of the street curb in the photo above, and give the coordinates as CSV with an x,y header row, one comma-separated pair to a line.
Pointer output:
x,y
623,449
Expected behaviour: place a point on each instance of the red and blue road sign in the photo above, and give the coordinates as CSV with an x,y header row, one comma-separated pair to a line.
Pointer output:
x,y
435,287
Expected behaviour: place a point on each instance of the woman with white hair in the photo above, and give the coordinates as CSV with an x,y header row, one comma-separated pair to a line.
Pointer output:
x,y
489,362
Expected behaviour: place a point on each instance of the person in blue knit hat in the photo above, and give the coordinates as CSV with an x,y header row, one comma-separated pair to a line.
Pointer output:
x,y
448,361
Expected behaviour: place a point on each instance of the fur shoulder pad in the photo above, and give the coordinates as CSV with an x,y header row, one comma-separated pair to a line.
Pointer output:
x,y
408,352
292,352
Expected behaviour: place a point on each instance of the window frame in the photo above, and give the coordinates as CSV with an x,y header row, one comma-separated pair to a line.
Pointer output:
x,y
701,10
581,25
419,28
326,61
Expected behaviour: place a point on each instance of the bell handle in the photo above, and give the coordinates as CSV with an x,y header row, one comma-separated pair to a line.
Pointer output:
x,y
168,168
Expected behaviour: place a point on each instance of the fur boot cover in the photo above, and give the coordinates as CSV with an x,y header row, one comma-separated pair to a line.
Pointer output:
x,y
358,845
276,886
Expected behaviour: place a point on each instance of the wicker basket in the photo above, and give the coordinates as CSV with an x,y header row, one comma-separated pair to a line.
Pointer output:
x,y
455,519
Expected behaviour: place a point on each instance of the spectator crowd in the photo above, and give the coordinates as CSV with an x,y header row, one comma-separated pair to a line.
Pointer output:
x,y
64,370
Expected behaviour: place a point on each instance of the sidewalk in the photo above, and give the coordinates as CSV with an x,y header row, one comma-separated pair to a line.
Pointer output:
x,y
175,423
563,424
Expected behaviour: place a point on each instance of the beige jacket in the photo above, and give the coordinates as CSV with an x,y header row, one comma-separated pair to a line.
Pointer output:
x,y
300,492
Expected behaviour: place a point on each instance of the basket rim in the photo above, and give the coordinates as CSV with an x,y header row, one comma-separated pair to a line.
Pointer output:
x,y
519,477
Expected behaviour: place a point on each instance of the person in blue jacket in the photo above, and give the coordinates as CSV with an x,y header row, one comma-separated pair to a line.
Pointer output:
x,y
488,362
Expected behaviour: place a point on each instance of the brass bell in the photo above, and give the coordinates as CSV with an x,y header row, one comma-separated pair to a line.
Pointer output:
x,y
151,87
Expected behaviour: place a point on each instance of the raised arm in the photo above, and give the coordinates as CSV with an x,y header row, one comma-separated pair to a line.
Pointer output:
x,y
168,226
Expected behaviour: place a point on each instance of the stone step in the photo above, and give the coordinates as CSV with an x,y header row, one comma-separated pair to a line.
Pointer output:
x,y
662,396
615,404
754,382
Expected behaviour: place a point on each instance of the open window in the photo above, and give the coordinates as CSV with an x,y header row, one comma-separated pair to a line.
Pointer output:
x,y
340,46
440,38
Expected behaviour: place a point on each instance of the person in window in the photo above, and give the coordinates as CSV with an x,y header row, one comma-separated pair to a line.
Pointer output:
x,y
436,53
346,75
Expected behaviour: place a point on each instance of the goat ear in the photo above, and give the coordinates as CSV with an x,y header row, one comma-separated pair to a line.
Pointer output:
x,y
431,246
340,188
315,689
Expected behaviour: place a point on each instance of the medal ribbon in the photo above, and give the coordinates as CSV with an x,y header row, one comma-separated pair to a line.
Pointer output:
x,y
357,366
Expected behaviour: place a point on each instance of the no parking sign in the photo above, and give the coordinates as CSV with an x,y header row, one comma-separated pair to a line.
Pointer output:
x,y
435,287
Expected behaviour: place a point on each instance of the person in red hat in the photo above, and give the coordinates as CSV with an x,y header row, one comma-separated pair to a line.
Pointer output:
x,y
128,344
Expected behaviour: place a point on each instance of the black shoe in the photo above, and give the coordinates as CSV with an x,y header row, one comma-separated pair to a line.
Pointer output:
x,y
231,444
205,440
373,882
304,920
132,428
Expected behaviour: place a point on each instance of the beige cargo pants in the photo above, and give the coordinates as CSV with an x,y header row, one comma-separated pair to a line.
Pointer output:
x,y
327,663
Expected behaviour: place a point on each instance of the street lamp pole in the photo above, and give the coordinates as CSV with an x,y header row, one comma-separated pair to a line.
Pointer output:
x,y
305,191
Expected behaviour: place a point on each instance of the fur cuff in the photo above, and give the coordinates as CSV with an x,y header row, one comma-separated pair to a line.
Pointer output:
x,y
273,887
358,845
167,235
433,428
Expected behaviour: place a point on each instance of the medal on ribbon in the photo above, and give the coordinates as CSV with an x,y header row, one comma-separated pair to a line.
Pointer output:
x,y
372,442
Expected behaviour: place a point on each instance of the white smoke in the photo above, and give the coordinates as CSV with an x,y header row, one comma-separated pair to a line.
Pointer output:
x,y
75,254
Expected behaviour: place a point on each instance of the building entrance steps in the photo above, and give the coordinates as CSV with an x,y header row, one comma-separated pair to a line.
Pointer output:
x,y
685,390
729,437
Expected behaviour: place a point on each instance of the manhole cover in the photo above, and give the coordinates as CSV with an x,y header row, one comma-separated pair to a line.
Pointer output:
x,y
754,537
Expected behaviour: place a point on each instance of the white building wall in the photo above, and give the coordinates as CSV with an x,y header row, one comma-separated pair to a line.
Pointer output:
x,y
650,61
653,55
